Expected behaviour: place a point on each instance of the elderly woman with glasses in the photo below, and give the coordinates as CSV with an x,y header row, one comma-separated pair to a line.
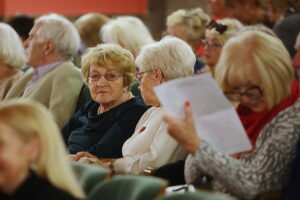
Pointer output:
x,y
103,125
216,35
150,145
260,78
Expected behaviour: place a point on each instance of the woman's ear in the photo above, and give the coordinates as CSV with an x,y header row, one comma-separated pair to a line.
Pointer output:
x,y
159,76
33,149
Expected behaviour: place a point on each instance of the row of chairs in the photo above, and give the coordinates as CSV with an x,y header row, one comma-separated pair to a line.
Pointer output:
x,y
99,184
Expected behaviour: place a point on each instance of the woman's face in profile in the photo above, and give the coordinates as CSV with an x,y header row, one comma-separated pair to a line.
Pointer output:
x,y
147,83
14,157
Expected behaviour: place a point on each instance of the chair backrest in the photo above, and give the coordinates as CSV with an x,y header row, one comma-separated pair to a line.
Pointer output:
x,y
199,195
134,88
89,175
129,187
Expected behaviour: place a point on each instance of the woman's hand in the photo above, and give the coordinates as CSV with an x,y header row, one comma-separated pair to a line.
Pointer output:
x,y
184,131
81,154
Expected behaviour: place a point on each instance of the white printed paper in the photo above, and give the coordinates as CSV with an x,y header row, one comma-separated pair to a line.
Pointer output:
x,y
215,118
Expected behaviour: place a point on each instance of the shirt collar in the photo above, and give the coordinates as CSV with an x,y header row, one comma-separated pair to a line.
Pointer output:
x,y
45,68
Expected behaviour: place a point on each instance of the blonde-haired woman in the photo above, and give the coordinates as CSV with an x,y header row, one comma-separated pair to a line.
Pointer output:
x,y
254,70
189,25
102,125
12,55
216,35
33,156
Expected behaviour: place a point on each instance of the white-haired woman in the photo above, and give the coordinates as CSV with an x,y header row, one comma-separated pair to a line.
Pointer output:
x,y
261,80
150,145
33,156
127,31
12,55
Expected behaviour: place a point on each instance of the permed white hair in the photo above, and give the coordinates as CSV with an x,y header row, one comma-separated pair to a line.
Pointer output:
x,y
127,31
172,55
12,52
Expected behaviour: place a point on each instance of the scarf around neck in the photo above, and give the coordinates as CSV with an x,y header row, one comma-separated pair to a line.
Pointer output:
x,y
254,122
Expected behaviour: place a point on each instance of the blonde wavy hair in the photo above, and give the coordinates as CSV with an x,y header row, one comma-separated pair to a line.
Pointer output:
x,y
193,21
109,54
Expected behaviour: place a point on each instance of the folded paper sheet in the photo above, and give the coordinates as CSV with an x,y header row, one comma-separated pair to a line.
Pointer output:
x,y
215,118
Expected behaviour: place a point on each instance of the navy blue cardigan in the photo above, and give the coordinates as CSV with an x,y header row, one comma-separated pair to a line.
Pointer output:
x,y
103,135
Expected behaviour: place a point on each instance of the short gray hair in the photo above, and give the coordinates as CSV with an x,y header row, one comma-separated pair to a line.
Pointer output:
x,y
128,31
59,29
12,52
172,55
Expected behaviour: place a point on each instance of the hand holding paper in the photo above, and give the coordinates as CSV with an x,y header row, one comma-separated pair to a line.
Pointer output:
x,y
215,119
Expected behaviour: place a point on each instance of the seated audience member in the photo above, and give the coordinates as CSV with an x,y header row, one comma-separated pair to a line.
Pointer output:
x,y
108,120
130,33
31,145
261,79
53,79
22,23
127,31
216,35
12,56
88,27
150,144
189,25
286,15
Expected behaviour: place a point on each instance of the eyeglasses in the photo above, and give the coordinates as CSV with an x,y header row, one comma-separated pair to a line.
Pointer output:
x,y
139,75
221,28
214,45
253,93
109,76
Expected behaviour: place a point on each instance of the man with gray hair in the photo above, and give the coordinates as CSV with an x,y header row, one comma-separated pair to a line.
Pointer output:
x,y
53,79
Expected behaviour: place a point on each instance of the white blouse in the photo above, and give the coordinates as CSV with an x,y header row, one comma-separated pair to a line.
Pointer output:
x,y
149,146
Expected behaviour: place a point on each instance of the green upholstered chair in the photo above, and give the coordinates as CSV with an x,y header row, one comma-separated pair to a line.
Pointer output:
x,y
83,98
134,87
129,187
89,175
199,195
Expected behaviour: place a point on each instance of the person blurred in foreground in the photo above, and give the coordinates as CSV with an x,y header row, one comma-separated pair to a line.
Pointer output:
x,y
31,145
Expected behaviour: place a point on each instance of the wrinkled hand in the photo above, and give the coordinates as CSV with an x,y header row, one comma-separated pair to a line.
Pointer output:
x,y
184,131
81,154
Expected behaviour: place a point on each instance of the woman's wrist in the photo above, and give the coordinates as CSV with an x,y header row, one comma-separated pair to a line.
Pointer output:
x,y
193,146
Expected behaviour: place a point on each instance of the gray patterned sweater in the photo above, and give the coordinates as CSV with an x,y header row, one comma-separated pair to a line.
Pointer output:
x,y
264,170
